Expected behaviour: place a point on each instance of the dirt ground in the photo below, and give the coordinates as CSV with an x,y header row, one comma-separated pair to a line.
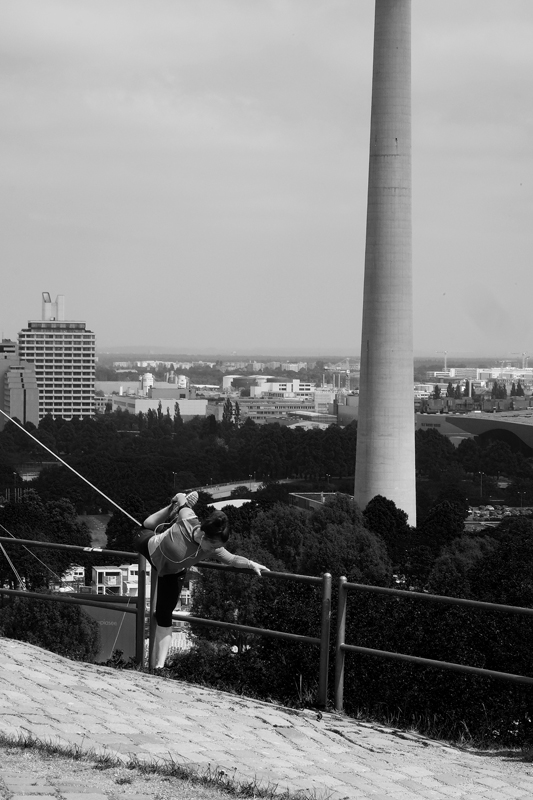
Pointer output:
x,y
59,774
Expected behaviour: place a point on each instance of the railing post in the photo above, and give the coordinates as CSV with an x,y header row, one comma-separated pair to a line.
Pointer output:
x,y
141,612
339,652
151,616
324,640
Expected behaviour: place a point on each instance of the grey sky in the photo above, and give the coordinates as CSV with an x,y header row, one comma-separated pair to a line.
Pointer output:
x,y
193,173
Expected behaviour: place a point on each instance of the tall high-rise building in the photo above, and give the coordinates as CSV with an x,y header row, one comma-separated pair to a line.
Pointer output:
x,y
385,462
64,355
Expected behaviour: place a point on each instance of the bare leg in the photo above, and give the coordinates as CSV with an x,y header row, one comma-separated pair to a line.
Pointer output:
x,y
163,639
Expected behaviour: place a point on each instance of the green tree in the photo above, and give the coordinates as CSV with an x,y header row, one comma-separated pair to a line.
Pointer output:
x,y
450,574
469,455
338,542
53,521
383,518
434,453
444,523
121,532
227,412
282,531
506,574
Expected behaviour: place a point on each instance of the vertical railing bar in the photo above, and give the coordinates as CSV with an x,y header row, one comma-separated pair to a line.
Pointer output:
x,y
325,624
151,617
339,652
141,612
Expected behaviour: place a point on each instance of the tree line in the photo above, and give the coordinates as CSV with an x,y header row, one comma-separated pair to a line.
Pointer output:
x,y
151,456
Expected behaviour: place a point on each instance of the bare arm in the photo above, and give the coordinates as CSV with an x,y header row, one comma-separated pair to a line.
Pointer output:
x,y
240,562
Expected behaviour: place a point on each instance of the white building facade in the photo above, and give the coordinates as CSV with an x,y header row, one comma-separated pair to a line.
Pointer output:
x,y
63,353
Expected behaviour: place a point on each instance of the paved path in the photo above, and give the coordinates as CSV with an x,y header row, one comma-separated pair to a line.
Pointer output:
x,y
128,713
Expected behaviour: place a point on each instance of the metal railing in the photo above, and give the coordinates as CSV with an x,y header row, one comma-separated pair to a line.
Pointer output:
x,y
342,648
322,641
139,609
140,601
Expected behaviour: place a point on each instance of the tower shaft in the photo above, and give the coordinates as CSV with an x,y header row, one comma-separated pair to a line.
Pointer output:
x,y
385,462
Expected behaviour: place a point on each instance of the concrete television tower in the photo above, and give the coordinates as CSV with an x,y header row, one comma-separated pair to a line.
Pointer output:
x,y
385,462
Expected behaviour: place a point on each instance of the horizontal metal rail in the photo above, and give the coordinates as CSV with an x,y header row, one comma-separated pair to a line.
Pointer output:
x,y
429,662
55,597
234,626
440,598
342,648
69,547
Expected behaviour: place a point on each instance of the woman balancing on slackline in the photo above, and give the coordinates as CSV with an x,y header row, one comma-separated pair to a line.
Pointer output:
x,y
174,541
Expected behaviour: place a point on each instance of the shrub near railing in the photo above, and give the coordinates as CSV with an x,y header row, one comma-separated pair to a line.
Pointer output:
x,y
260,666
438,702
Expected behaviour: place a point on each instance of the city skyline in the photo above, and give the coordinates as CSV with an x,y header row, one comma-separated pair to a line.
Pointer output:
x,y
222,149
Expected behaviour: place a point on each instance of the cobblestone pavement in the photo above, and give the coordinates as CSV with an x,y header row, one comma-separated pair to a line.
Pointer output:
x,y
127,713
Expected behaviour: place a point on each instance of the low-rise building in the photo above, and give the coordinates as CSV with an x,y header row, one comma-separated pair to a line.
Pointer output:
x,y
134,405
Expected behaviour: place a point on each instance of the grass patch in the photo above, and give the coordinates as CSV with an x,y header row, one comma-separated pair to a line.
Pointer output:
x,y
212,777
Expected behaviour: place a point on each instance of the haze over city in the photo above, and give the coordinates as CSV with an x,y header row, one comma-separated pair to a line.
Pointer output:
x,y
193,175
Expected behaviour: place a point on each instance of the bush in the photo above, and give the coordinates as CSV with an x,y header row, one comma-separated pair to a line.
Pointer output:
x,y
261,666
58,627
436,701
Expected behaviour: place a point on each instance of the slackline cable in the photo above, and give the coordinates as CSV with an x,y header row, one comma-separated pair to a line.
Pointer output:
x,y
17,576
96,489
31,554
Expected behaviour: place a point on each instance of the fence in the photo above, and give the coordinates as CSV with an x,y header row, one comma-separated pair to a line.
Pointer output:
x,y
322,641
139,609
342,648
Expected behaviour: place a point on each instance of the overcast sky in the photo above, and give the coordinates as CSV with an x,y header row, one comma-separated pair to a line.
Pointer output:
x,y
192,174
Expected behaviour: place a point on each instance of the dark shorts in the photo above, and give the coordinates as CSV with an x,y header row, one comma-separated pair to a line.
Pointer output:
x,y
168,586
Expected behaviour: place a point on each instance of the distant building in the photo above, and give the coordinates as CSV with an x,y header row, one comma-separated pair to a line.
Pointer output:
x,y
19,392
189,408
8,349
264,409
63,353
294,366
275,388
347,409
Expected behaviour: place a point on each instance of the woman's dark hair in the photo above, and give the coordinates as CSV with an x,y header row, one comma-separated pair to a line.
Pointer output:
x,y
216,527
